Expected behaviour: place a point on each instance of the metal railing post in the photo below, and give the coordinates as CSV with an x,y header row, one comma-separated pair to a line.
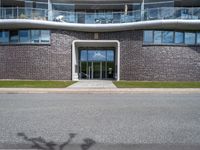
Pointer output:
x,y
17,13
0,10
192,13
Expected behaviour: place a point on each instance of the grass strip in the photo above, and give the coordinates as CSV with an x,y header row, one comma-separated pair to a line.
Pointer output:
x,y
35,84
136,84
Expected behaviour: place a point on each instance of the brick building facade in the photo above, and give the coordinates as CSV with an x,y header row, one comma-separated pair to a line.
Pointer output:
x,y
137,61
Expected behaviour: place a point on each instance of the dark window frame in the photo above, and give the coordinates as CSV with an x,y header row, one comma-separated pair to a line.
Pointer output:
x,y
185,37
174,37
162,37
152,40
7,38
10,36
30,36
29,40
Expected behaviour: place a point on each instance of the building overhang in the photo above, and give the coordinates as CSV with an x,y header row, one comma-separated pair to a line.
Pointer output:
x,y
142,25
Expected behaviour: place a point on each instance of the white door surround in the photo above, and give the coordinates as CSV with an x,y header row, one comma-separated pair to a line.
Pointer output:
x,y
93,43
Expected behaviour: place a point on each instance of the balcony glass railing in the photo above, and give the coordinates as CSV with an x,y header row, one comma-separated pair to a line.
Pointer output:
x,y
162,13
23,13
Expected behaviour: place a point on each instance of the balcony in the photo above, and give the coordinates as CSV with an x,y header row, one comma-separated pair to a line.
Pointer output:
x,y
23,13
163,13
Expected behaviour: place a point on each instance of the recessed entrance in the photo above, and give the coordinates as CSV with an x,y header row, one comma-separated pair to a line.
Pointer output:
x,y
96,63
95,59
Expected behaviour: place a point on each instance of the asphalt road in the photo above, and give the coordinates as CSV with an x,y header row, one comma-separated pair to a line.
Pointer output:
x,y
100,121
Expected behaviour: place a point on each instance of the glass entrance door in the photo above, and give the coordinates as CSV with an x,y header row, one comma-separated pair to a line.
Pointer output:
x,y
97,64
110,70
97,71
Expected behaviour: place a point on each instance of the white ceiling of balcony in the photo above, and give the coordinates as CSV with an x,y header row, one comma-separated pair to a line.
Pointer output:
x,y
187,3
86,1
177,2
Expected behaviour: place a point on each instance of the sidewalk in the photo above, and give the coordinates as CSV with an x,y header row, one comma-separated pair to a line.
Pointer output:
x,y
99,90
93,84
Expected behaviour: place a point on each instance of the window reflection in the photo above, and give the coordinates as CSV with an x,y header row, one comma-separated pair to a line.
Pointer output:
x,y
24,36
189,38
35,35
168,37
63,7
157,37
97,55
148,36
171,37
179,37
198,38
4,37
83,56
110,55
89,18
45,36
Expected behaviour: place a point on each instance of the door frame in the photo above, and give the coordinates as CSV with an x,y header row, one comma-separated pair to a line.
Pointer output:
x,y
100,70
90,70
94,43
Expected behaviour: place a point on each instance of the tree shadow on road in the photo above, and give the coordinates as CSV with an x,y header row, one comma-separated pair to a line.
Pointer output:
x,y
41,143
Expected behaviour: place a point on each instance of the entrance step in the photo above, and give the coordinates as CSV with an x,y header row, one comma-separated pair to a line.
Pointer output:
x,y
87,84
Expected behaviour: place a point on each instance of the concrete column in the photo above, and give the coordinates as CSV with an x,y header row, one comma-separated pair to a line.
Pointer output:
x,y
50,11
126,9
142,10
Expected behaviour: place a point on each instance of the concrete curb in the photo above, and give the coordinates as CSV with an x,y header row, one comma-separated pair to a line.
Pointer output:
x,y
103,146
98,90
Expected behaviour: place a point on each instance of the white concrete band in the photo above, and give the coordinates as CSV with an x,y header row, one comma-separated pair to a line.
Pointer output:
x,y
154,24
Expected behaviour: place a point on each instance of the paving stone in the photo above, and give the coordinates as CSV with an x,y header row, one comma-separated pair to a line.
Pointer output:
x,y
93,84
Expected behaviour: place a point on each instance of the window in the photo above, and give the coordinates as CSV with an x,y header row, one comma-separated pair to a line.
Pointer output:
x,y
148,36
4,37
89,18
63,7
24,36
42,5
45,36
171,37
96,55
179,37
189,38
110,55
14,37
168,37
158,3
198,37
157,37
83,55
35,36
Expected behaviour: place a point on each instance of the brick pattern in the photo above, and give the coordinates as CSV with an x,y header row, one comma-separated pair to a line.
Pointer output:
x,y
138,62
